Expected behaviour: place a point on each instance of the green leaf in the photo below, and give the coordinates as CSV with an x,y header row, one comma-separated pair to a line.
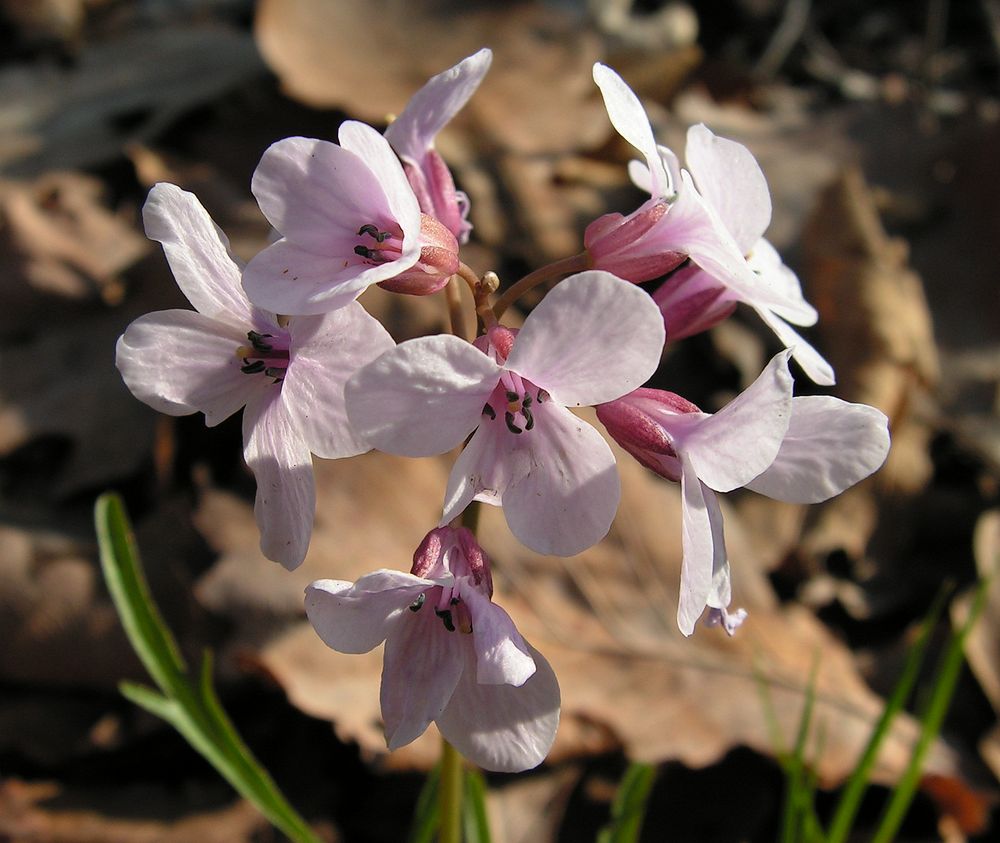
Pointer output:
x,y
475,818
426,815
193,708
629,807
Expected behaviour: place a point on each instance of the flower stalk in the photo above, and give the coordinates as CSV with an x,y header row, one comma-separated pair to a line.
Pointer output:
x,y
557,269
450,793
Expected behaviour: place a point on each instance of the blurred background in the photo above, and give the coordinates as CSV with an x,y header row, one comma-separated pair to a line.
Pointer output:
x,y
877,125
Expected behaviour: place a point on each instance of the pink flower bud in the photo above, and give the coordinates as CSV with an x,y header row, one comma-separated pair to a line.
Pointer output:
x,y
630,247
692,301
438,262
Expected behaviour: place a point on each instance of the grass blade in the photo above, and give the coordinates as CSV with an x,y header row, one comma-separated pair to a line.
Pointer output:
x,y
629,808
475,819
426,815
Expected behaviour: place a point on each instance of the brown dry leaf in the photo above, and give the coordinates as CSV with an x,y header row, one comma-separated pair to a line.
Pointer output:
x,y
605,620
44,812
538,96
877,329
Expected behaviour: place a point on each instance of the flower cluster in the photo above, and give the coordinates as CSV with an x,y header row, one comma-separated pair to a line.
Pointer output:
x,y
285,339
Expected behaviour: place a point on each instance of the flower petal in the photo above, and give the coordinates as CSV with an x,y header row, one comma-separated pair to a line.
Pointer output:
x,y
732,447
701,532
481,471
422,397
503,728
830,445
564,344
502,656
766,262
198,253
563,490
432,107
282,465
811,361
421,667
357,617
730,179
631,122
180,362
329,349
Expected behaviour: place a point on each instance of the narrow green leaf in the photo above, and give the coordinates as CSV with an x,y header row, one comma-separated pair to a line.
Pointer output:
x,y
931,717
426,816
797,799
475,818
629,807
854,790
153,701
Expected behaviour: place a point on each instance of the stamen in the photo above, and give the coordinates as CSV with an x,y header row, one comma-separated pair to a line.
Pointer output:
x,y
512,396
529,420
416,605
362,251
275,372
509,419
253,368
257,340
369,229
489,411
543,396
445,616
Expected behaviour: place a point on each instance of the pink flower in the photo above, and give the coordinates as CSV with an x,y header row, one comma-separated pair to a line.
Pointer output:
x,y
349,219
801,450
592,339
412,136
718,211
227,353
452,656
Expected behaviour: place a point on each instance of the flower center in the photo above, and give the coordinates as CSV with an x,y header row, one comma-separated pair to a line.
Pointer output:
x,y
454,614
378,246
266,355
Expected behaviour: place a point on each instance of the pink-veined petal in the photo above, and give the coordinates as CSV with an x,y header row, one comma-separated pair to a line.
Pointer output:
x,y
282,465
432,107
699,531
501,727
422,397
592,339
481,471
180,362
198,253
421,667
502,656
563,493
811,361
631,122
830,445
328,350
357,617
732,447
730,179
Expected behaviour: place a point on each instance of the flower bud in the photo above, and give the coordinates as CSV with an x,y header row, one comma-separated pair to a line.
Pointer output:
x,y
630,247
438,262
692,301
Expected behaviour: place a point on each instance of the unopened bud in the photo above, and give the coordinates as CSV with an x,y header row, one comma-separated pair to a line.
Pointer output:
x,y
632,247
438,262
692,301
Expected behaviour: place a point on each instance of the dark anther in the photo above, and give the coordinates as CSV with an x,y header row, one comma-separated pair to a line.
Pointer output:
x,y
509,418
489,411
369,229
529,420
274,372
512,396
257,340
454,601
364,252
543,396
445,615
416,604
526,402
253,368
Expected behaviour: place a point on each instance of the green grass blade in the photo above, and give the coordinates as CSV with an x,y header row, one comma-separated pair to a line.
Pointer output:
x,y
426,814
850,799
191,708
933,714
629,807
476,821
797,798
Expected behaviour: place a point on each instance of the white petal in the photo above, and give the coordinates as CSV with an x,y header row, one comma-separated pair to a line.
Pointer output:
x,y
432,107
422,397
721,593
811,361
180,362
630,121
197,251
830,445
327,351
730,179
501,727
422,666
766,262
563,489
480,473
592,339
699,532
502,656
282,466
732,447
357,617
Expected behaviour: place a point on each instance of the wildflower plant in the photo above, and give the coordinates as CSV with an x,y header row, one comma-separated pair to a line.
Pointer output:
x,y
317,376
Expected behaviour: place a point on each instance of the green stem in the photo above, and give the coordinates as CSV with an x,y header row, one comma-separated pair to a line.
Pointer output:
x,y
566,266
450,794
